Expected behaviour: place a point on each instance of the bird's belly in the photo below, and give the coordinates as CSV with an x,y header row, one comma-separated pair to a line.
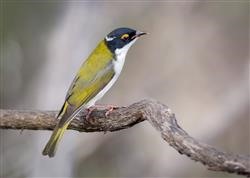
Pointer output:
x,y
102,92
118,65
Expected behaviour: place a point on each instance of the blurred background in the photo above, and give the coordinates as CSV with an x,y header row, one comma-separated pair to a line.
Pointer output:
x,y
195,60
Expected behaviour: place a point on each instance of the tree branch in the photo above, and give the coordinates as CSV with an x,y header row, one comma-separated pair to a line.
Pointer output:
x,y
160,117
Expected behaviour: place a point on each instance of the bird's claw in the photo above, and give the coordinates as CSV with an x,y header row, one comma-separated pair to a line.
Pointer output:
x,y
110,109
92,108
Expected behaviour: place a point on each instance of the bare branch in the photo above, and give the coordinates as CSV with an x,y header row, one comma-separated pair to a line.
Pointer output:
x,y
156,113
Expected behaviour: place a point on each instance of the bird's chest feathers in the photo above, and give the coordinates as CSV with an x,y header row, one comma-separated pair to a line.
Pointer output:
x,y
120,57
118,63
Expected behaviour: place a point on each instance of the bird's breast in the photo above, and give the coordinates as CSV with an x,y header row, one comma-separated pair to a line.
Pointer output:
x,y
118,63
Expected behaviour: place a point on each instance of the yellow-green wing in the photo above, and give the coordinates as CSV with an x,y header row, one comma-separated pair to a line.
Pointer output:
x,y
98,66
84,91
94,74
80,94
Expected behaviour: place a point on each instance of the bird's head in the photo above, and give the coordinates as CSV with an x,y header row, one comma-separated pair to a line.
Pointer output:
x,y
121,39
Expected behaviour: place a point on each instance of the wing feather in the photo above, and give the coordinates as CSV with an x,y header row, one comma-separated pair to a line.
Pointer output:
x,y
82,92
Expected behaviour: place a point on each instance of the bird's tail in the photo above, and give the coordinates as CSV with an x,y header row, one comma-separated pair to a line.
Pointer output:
x,y
51,146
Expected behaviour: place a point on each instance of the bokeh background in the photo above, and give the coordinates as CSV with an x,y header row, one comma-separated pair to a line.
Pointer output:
x,y
195,60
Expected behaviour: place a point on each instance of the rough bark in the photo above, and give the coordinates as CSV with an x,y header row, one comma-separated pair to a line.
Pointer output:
x,y
160,117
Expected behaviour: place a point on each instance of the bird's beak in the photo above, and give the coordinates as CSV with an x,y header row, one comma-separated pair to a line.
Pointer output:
x,y
138,34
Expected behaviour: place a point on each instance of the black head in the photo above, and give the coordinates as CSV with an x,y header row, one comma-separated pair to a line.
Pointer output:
x,y
121,37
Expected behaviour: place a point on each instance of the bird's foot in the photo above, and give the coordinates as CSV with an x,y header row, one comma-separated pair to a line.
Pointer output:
x,y
90,110
109,108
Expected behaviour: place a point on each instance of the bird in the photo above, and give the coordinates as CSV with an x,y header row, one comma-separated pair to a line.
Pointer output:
x,y
95,77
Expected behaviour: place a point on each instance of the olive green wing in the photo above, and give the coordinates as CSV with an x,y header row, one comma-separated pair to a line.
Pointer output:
x,y
93,75
82,91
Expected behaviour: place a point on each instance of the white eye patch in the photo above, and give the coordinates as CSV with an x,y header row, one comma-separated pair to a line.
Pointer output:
x,y
110,38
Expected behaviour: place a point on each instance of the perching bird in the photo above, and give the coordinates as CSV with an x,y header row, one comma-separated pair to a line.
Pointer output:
x,y
94,78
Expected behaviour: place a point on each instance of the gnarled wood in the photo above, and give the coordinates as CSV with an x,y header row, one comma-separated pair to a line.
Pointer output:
x,y
159,115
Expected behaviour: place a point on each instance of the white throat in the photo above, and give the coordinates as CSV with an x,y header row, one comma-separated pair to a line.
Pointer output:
x,y
120,56
123,51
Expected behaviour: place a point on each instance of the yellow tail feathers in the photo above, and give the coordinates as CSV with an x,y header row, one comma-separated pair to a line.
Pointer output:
x,y
51,146
65,117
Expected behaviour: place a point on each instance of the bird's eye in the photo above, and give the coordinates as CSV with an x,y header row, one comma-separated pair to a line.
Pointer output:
x,y
124,37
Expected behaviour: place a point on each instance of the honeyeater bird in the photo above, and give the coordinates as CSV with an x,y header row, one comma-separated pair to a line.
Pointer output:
x,y
94,78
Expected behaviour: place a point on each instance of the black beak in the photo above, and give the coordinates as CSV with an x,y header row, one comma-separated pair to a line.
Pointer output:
x,y
138,34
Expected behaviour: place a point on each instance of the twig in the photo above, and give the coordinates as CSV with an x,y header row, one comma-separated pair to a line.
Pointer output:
x,y
156,113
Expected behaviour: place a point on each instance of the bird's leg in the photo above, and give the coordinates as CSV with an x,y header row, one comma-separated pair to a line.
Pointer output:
x,y
109,108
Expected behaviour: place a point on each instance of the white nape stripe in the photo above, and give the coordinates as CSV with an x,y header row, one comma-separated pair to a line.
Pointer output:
x,y
109,38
